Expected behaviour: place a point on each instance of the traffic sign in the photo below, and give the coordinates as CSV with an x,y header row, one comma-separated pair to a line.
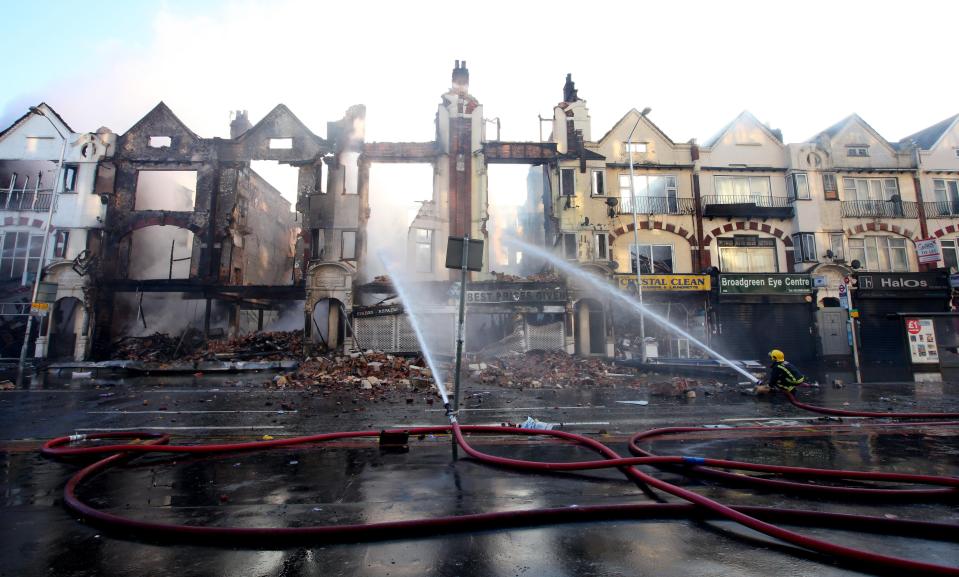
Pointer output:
x,y
842,289
845,280
40,309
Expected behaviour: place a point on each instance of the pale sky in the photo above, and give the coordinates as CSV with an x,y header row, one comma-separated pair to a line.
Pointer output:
x,y
800,66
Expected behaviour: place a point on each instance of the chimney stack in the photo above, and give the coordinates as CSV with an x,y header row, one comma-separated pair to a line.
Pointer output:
x,y
239,124
461,78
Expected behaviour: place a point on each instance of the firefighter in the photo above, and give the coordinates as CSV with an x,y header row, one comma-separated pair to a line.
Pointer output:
x,y
782,374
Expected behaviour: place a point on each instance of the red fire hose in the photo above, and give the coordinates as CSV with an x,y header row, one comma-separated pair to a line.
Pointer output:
x,y
757,518
843,413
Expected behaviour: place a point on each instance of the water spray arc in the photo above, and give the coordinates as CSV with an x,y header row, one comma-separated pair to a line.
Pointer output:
x,y
610,290
416,322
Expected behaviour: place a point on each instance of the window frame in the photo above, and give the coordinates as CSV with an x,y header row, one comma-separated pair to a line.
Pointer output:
x,y
841,255
830,191
317,243
804,247
566,236
953,248
749,185
61,242
417,244
883,252
70,177
670,189
853,150
793,188
747,242
569,190
343,244
603,254
652,257
628,144
601,174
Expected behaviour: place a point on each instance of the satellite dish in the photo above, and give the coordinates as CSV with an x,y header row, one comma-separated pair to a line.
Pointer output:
x,y
855,264
612,201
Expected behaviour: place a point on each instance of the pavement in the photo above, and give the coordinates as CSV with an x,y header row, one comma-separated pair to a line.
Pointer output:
x,y
353,481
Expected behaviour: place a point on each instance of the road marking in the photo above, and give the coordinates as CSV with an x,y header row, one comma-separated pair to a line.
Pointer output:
x,y
182,412
506,409
183,428
418,425
741,419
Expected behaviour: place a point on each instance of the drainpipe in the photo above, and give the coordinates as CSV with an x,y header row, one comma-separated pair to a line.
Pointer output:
x,y
921,207
700,263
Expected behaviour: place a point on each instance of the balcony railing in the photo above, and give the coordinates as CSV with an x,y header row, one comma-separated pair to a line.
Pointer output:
x,y
655,205
941,209
26,200
879,209
748,205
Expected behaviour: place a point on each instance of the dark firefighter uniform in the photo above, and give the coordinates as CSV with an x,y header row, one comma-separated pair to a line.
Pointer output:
x,y
784,374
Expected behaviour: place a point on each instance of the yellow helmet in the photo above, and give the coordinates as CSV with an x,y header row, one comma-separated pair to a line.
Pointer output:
x,y
777,355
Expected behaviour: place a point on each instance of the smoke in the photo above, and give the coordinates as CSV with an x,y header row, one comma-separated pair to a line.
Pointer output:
x,y
394,192
508,207
289,319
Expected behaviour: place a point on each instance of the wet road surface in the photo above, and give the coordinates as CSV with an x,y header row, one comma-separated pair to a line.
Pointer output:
x,y
352,481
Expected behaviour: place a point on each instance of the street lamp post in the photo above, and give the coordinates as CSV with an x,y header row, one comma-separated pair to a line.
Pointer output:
x,y
43,249
639,268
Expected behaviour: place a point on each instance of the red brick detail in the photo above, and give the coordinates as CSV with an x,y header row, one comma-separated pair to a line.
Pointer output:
x,y
23,221
939,233
670,227
859,228
683,233
790,264
753,226
37,223
895,228
883,226
740,226
706,240
620,231
727,227
907,233
788,242
951,228
765,228
657,225
8,221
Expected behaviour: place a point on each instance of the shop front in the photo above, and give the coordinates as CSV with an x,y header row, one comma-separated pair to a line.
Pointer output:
x,y
682,299
898,342
758,312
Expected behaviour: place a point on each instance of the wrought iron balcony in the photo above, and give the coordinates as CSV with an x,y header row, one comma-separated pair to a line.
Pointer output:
x,y
941,209
26,200
655,205
879,209
748,206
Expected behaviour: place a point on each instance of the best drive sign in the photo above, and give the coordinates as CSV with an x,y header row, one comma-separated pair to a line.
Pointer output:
x,y
927,250
767,284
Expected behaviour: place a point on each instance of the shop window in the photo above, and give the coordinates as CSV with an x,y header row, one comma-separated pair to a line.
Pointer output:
x,y
653,258
747,253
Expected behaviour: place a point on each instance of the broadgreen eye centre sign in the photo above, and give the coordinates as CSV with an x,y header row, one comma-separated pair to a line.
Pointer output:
x,y
767,284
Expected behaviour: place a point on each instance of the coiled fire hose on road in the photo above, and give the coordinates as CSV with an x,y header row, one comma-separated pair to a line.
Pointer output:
x,y
698,506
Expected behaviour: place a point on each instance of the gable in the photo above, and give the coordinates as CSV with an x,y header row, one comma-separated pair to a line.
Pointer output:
x,y
159,134
279,135
856,133
745,140
660,149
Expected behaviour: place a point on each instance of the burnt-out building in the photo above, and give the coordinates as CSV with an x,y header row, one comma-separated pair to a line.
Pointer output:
x,y
195,234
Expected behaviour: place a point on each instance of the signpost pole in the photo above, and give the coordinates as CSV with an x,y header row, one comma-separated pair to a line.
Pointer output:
x,y
464,262
855,336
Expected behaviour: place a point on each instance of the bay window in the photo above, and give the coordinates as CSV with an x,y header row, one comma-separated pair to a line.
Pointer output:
x,y
797,186
20,254
879,253
804,247
747,253
743,189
